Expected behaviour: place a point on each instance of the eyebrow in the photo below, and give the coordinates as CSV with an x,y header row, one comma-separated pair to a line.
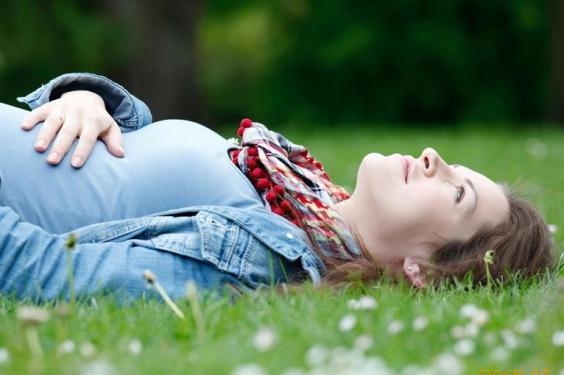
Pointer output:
x,y
471,184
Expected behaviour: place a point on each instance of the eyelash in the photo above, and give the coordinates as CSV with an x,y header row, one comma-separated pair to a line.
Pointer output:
x,y
460,192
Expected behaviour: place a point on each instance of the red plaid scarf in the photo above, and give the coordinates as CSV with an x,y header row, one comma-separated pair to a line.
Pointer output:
x,y
294,185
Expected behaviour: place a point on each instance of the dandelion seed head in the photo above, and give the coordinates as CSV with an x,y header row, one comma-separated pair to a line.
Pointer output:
x,y
395,327
134,347
149,276
347,323
4,356
265,339
558,338
30,315
419,323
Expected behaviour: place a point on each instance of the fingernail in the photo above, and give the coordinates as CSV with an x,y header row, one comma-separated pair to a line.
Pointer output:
x,y
76,161
40,144
53,157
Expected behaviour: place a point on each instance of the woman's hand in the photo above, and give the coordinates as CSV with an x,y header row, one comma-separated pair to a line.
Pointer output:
x,y
76,114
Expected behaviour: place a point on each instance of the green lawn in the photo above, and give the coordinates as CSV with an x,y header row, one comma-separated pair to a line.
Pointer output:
x,y
375,329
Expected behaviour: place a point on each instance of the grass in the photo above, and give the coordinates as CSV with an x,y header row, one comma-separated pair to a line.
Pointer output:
x,y
516,330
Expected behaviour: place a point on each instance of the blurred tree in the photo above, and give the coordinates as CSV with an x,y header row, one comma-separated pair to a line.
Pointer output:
x,y
40,40
162,66
403,60
556,111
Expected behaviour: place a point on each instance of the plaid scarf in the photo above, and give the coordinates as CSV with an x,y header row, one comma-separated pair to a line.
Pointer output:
x,y
294,185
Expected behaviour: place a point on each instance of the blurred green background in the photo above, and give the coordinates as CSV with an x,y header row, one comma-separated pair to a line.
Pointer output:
x,y
301,61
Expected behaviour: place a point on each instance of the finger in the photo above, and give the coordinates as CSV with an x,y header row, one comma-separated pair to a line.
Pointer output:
x,y
36,116
86,142
63,142
114,140
48,131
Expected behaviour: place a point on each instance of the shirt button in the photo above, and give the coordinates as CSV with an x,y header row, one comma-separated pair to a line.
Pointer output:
x,y
289,236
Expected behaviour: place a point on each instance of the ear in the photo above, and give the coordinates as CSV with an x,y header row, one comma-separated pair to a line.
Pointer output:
x,y
413,272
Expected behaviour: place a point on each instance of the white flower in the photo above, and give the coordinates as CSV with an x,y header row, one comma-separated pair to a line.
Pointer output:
x,y
264,339
464,347
249,369
467,311
448,364
458,332
99,367
500,354
294,371
469,330
363,303
419,323
526,326
66,347
4,356
134,347
395,327
558,338
472,329
510,340
363,342
316,355
87,349
347,323
552,228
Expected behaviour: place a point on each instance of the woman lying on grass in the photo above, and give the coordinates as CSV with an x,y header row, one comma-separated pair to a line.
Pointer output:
x,y
189,205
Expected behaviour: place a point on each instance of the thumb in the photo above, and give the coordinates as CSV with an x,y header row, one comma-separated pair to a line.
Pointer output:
x,y
113,141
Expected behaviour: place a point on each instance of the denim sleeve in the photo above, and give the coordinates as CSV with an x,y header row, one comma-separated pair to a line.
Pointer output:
x,y
129,112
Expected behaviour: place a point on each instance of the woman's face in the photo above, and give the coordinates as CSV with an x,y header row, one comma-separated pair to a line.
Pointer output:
x,y
426,201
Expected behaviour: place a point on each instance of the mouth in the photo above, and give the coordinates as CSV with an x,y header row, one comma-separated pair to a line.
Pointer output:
x,y
406,167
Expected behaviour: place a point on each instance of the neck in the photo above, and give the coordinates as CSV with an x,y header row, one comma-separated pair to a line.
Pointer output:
x,y
367,236
385,249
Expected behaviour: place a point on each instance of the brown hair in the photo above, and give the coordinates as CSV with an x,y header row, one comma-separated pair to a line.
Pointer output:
x,y
522,245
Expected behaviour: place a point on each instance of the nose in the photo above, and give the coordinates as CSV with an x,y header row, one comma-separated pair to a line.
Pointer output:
x,y
432,162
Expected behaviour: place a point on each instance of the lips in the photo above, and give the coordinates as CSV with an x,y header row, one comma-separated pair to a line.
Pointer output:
x,y
406,168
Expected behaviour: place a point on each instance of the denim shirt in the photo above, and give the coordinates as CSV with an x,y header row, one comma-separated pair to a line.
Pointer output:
x,y
213,234
129,112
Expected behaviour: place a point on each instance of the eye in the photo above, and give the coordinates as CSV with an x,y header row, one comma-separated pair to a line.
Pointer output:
x,y
460,192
